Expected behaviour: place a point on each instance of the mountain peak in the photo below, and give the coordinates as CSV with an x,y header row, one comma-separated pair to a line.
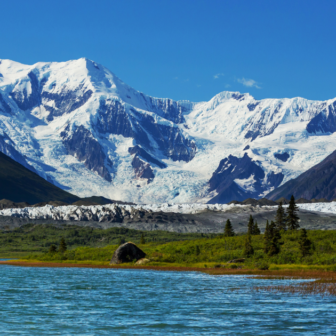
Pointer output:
x,y
80,127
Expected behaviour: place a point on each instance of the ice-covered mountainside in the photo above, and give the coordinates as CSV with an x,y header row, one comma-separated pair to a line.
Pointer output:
x,y
79,126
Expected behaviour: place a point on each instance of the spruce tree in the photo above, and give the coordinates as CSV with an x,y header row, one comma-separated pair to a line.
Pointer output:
x,y
305,243
228,230
292,217
256,230
248,248
142,239
280,218
250,225
52,249
197,250
62,246
267,238
274,242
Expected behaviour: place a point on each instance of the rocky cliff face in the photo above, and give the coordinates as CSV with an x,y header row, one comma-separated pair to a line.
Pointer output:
x,y
324,121
78,125
117,118
84,147
26,92
239,179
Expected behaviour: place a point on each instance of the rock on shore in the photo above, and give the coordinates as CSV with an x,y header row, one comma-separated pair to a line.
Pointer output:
x,y
126,253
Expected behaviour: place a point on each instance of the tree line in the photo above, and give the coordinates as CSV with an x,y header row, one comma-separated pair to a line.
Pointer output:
x,y
61,248
273,231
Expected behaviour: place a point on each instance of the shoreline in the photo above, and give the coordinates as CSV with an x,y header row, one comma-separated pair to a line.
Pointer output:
x,y
74,265
299,273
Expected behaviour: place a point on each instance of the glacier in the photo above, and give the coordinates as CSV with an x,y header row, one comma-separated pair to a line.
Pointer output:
x,y
80,127
117,212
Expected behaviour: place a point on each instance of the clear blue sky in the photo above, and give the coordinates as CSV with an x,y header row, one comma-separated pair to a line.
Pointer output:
x,y
184,49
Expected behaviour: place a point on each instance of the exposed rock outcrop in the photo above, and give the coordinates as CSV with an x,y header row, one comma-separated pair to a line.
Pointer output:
x,y
116,118
126,253
325,121
66,101
137,150
142,169
282,156
82,145
26,99
239,179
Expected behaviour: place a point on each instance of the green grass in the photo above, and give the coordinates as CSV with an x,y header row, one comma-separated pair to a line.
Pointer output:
x,y
38,238
200,251
14,255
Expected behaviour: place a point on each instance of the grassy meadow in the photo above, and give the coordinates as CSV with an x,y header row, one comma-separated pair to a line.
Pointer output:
x,y
37,239
194,250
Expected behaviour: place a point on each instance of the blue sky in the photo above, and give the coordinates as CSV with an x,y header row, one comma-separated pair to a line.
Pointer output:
x,y
184,49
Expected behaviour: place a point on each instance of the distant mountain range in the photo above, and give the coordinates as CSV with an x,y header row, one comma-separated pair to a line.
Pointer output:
x,y
81,128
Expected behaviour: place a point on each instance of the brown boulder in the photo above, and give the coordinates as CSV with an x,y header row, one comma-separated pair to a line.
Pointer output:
x,y
126,253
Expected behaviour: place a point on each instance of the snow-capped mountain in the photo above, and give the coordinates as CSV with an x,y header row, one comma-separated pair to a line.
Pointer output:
x,y
79,126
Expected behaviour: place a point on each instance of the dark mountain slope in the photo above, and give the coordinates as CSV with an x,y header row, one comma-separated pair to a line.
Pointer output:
x,y
317,182
19,184
230,170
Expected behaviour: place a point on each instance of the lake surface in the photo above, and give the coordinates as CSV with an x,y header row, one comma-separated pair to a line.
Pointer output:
x,y
79,301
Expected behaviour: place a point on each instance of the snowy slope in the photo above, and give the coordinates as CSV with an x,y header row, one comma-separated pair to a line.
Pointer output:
x,y
80,127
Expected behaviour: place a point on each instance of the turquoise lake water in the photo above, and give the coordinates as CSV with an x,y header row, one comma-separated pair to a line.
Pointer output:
x,y
79,301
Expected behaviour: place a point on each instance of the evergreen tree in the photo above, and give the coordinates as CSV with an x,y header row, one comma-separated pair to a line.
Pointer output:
x,y
62,246
121,241
250,226
142,239
248,248
280,218
52,249
197,250
228,230
305,243
274,241
292,217
256,230
267,238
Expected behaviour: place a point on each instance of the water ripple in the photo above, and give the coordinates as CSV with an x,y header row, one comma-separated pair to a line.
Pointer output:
x,y
79,301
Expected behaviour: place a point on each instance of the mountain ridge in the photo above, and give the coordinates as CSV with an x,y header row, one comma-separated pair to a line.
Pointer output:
x,y
316,183
19,184
80,127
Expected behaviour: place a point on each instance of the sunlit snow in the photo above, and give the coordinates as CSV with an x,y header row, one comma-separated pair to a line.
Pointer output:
x,y
219,128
